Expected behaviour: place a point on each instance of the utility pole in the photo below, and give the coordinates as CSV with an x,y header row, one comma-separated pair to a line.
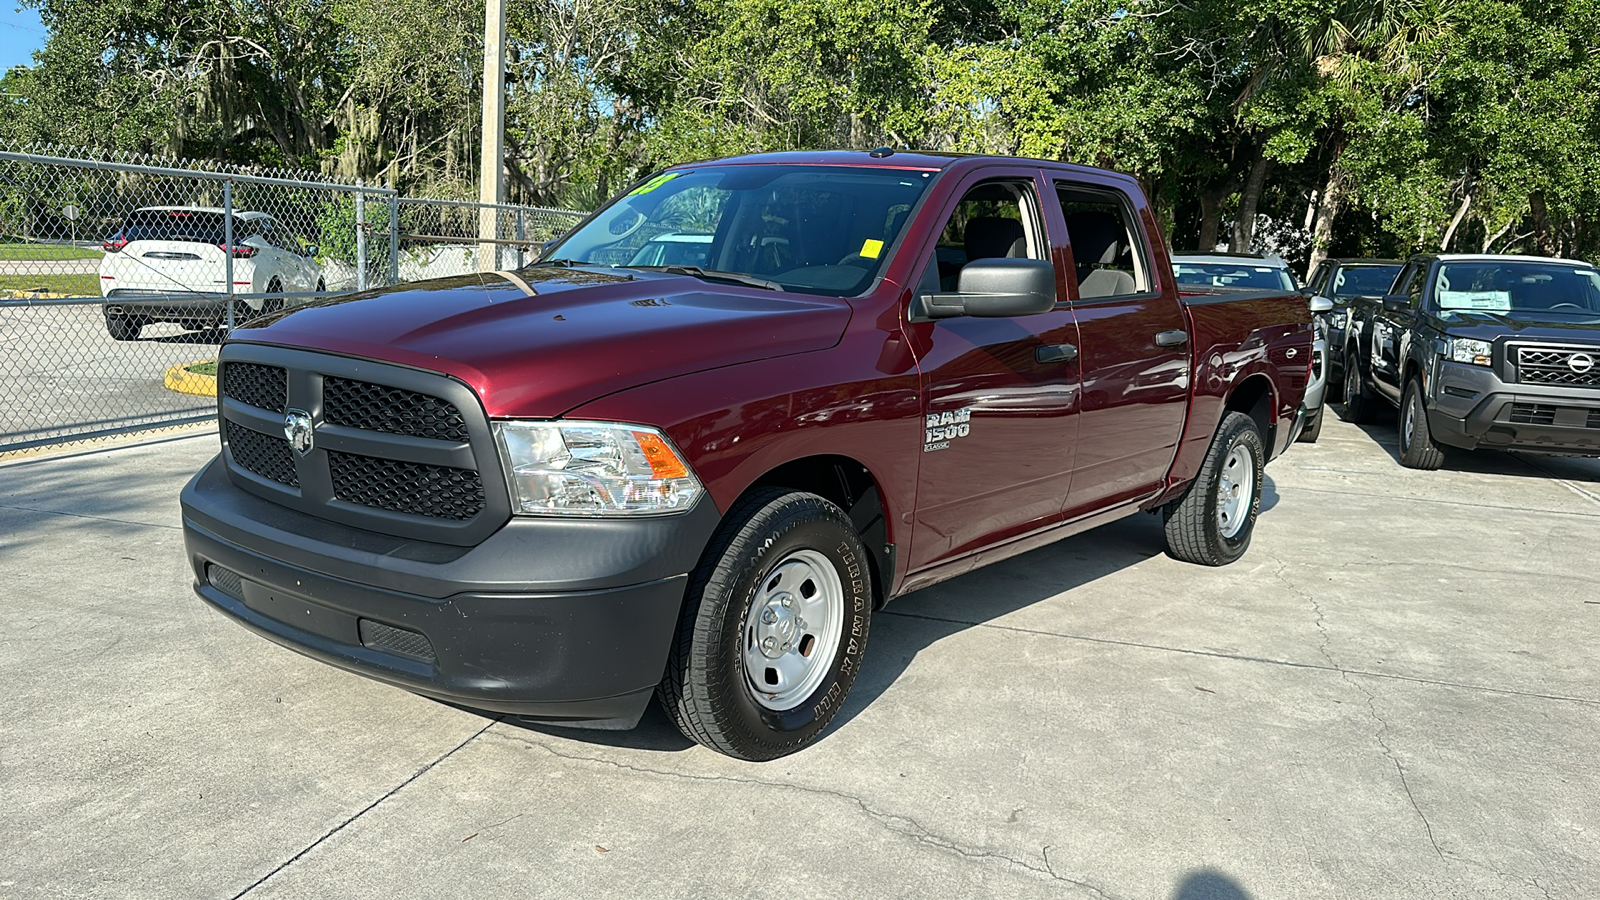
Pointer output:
x,y
491,171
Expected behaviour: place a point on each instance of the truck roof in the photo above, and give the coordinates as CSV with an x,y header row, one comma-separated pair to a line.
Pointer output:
x,y
1503,257
918,160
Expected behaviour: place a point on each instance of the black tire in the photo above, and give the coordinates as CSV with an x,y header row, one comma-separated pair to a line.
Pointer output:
x,y
1313,429
1358,401
271,305
708,688
1417,449
123,328
1195,532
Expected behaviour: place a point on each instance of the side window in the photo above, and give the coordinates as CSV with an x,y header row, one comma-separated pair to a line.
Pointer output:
x,y
993,219
1419,275
1107,254
1319,280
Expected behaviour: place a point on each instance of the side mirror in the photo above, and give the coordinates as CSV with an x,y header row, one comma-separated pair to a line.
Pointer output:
x,y
1319,304
311,250
1397,303
997,289
545,247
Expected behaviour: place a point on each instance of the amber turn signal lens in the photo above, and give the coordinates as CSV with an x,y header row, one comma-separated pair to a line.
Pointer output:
x,y
663,462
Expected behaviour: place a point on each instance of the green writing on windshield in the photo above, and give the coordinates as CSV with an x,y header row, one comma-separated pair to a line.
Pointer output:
x,y
653,183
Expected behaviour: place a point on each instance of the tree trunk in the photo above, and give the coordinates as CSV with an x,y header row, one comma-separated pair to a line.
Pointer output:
x,y
1244,222
1329,204
1455,222
1210,218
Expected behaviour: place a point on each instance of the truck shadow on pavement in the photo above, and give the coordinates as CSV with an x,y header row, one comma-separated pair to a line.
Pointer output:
x,y
1491,462
915,622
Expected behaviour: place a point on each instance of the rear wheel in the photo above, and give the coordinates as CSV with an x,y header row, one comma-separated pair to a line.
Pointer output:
x,y
1417,449
123,328
1357,401
271,304
1212,523
773,628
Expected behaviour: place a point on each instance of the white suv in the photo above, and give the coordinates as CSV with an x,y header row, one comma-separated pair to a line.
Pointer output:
x,y
170,264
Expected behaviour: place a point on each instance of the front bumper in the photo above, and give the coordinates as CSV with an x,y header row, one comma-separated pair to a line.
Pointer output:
x,y
1472,408
559,620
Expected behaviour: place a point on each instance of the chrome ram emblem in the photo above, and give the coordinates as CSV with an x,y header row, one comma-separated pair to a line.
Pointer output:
x,y
297,428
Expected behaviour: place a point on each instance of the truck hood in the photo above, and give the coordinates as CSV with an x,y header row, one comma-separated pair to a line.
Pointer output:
x,y
581,335
1530,326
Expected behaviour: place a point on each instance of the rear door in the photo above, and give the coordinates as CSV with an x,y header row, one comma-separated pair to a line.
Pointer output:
x,y
999,395
1133,344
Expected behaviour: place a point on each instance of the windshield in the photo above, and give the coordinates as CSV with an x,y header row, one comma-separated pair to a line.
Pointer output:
x,y
816,229
1235,275
1364,281
1519,287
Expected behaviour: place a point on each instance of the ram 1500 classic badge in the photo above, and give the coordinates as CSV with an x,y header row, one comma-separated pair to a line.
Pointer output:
x,y
942,428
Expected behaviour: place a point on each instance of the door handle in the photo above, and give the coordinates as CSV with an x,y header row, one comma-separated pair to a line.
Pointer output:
x,y
1054,353
1171,338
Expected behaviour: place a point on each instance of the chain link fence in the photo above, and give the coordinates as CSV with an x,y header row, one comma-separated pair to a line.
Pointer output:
x,y
119,275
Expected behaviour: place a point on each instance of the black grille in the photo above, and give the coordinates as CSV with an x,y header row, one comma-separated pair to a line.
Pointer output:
x,y
359,404
264,387
438,492
226,581
1533,414
1594,419
263,454
1539,365
395,640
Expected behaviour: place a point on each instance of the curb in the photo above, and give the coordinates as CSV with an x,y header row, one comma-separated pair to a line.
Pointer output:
x,y
180,379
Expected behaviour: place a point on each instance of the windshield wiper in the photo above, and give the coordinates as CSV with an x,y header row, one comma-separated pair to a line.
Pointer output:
x,y
715,275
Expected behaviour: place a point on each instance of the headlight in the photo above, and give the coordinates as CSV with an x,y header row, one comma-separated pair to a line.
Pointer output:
x,y
593,469
1467,350
1339,317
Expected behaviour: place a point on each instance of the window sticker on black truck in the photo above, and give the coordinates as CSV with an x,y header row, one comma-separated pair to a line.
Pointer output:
x,y
942,428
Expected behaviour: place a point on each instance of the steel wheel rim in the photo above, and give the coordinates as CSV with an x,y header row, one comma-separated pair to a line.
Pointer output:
x,y
1352,383
1236,489
792,630
1410,423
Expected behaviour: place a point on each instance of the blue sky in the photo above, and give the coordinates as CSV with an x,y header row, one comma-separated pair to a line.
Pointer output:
x,y
20,35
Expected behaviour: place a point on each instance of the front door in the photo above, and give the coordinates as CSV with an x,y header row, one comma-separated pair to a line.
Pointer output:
x,y
999,396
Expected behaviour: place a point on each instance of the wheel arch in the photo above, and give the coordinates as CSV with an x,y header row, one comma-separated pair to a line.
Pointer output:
x,y
849,484
1256,398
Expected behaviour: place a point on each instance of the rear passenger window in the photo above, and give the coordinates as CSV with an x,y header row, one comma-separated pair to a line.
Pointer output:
x,y
1107,254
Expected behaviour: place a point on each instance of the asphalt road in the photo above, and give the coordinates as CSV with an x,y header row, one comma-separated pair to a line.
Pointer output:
x,y
62,374
1394,694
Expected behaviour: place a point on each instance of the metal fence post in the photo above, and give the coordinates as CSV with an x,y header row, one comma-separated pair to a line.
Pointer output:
x,y
361,237
394,235
227,241
522,235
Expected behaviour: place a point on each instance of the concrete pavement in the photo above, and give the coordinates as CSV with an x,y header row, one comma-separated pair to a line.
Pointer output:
x,y
1394,694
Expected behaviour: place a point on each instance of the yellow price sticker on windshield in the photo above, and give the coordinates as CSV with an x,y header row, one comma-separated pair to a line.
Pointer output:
x,y
653,183
870,249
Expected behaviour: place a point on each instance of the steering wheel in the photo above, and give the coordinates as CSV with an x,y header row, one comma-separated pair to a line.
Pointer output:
x,y
1568,306
854,259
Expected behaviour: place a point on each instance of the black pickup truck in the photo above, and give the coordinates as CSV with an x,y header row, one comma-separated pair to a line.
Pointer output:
x,y
1481,351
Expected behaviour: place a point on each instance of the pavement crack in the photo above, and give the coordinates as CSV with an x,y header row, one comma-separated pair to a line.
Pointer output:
x,y
71,515
1372,708
896,823
364,810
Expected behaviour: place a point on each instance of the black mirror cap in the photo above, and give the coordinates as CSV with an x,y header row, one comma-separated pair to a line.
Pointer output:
x,y
1396,302
1004,287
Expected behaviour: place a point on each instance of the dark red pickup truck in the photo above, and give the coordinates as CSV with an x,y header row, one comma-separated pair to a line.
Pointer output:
x,y
695,446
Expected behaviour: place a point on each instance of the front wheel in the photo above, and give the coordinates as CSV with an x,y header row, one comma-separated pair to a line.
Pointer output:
x,y
773,628
1212,523
1417,449
1357,402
